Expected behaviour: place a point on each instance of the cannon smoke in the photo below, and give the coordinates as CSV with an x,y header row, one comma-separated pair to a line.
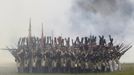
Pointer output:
x,y
102,17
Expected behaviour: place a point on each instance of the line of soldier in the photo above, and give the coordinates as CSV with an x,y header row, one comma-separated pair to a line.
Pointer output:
x,y
83,54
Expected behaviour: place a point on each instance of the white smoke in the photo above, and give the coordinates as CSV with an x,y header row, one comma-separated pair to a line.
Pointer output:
x,y
102,16
105,17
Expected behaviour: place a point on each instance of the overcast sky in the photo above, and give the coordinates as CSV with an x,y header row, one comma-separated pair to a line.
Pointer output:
x,y
66,18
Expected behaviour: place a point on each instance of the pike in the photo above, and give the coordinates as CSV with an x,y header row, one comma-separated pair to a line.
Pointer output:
x,y
30,47
42,38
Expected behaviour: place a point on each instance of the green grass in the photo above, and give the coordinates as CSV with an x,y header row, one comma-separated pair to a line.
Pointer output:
x,y
127,69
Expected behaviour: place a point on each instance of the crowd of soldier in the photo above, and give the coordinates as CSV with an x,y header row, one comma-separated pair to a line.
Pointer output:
x,y
83,54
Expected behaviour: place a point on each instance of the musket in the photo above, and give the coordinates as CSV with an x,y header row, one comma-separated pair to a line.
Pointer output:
x,y
12,51
8,49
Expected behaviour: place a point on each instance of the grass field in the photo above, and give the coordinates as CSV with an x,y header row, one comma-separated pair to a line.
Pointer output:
x,y
127,69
